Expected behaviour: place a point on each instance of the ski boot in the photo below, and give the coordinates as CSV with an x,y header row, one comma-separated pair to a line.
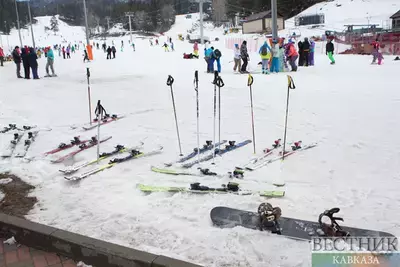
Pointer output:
x,y
269,217
207,172
332,228
296,145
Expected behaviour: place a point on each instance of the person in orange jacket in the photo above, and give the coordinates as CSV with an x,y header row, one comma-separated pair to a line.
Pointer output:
x,y
292,55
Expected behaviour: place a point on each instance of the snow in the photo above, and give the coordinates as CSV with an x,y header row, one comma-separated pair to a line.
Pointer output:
x,y
6,181
345,108
1,196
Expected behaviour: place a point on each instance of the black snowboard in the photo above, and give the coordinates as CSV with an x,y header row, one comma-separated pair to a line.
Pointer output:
x,y
298,229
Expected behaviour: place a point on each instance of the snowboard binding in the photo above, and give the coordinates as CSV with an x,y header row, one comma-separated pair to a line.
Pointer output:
x,y
332,229
269,216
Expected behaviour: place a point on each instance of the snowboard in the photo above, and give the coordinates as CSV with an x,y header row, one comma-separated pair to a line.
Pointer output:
x,y
225,217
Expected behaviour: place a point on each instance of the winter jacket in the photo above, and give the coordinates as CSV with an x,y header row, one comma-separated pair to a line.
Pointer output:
x,y
291,51
300,45
330,47
236,53
113,49
275,51
1,52
24,57
196,47
312,47
32,58
68,50
209,52
109,50
263,47
243,51
306,45
16,56
50,54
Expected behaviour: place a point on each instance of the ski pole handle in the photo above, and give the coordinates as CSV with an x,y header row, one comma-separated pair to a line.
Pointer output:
x,y
250,80
291,84
170,80
88,73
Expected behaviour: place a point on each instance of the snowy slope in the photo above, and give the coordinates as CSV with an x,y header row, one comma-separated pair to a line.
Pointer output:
x,y
66,34
342,12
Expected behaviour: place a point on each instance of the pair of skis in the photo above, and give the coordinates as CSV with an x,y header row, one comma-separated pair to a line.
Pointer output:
x,y
134,154
206,147
118,150
83,146
63,146
218,152
265,161
230,188
108,119
20,151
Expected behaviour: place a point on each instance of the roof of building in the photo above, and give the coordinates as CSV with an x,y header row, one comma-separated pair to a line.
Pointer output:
x,y
396,15
261,15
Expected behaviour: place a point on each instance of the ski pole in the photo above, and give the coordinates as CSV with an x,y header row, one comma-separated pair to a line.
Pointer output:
x,y
291,85
215,111
90,105
249,84
196,88
170,81
99,116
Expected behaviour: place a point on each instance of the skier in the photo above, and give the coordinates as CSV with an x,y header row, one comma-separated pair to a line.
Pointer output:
x,y
113,51
109,50
32,59
375,45
122,45
68,50
104,47
172,47
237,58
217,57
292,55
73,49
245,56
1,57
265,54
50,63
165,45
151,42
196,49
275,57
312,52
330,48
269,217
380,58
301,53
17,60
25,62
156,41
85,56
209,59
306,51
63,51
282,59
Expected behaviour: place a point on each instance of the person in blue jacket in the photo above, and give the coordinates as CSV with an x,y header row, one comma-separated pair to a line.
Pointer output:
x,y
50,63
210,59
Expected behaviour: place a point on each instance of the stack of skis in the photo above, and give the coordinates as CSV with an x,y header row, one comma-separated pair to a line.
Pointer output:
x,y
71,172
17,141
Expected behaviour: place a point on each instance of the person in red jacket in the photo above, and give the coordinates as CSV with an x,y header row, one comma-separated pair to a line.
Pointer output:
x,y
1,57
292,55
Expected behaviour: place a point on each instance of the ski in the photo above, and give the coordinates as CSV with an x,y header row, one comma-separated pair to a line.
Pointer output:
x,y
103,122
64,146
135,154
9,150
27,144
230,188
230,147
82,147
287,154
9,128
201,172
118,149
206,147
267,153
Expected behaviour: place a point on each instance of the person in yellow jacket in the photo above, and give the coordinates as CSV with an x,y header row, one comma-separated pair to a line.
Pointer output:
x,y
265,54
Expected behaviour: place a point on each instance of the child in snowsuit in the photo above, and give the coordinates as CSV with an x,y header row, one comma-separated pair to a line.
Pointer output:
x,y
265,54
311,55
237,58
275,58
165,47
330,48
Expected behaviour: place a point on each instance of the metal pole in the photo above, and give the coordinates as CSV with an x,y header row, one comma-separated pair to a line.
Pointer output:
x,y
274,16
201,22
18,25
86,23
30,20
130,28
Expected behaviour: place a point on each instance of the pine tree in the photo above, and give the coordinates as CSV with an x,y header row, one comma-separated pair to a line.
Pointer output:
x,y
54,24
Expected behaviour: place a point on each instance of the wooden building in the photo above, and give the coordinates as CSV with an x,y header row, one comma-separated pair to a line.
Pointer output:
x,y
262,23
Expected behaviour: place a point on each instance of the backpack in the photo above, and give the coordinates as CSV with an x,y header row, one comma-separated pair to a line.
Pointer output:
x,y
217,53
264,51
